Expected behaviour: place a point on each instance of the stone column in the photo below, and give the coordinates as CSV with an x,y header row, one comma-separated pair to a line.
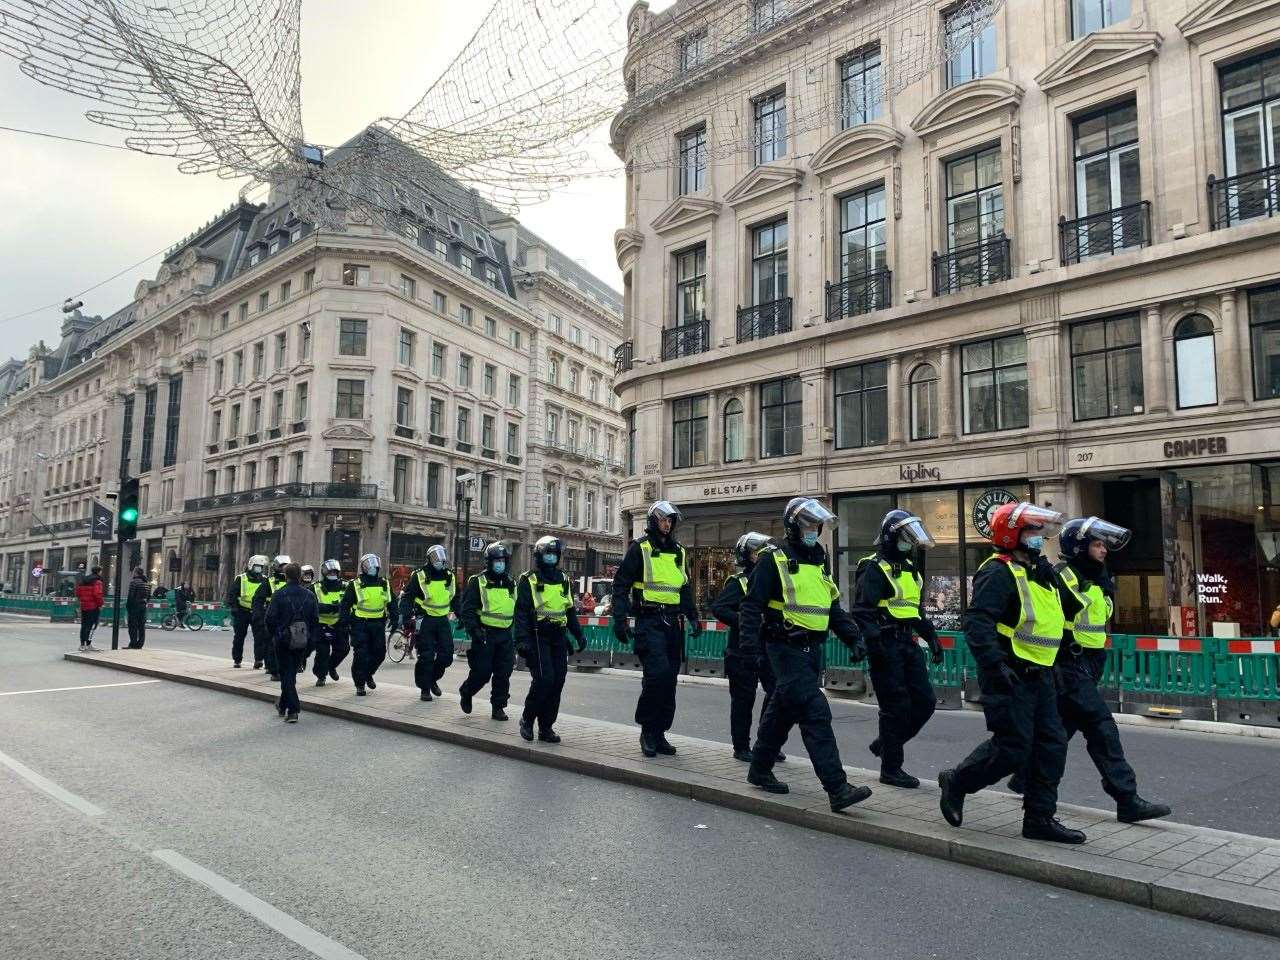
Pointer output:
x,y
1046,409
1153,365
812,411
947,394
751,423
1234,372
112,424
715,427
894,403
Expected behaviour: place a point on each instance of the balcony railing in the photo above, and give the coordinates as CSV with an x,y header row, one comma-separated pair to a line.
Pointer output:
x,y
976,265
686,340
62,526
1246,196
286,491
622,357
859,295
1103,234
764,320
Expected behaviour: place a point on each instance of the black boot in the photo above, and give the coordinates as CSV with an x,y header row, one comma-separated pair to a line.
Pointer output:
x,y
1049,828
425,696
780,758
1135,810
950,798
765,780
648,744
360,691
743,755
499,714
370,684
320,682
847,796
874,747
899,778
664,746
465,699
333,674
435,689
548,736
526,730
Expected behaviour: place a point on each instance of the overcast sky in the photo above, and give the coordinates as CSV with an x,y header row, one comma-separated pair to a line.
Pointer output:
x,y
74,214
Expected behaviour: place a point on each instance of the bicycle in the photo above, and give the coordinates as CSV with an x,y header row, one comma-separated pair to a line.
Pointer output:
x,y
192,621
398,646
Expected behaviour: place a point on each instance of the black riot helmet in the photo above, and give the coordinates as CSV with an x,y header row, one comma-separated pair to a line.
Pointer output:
x,y
494,553
662,510
547,552
747,547
1077,534
801,513
901,533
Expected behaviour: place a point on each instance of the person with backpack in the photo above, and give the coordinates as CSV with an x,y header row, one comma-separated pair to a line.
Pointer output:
x,y
293,620
135,607
89,593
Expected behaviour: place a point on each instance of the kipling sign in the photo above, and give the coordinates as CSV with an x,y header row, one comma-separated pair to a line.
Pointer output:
x,y
912,472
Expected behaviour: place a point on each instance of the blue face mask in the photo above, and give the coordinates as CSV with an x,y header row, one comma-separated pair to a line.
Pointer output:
x,y
809,539
437,564
904,546
499,566
1035,543
550,559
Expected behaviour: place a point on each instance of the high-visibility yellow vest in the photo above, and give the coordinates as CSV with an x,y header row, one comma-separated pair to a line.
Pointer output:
x,y
663,574
436,595
807,594
742,581
248,589
1038,633
905,602
278,584
372,599
550,600
497,603
329,597
1089,626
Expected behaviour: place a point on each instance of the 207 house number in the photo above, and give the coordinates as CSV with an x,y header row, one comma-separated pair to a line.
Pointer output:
x,y
1084,456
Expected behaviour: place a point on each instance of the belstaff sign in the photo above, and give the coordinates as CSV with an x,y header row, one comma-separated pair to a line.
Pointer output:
x,y
728,489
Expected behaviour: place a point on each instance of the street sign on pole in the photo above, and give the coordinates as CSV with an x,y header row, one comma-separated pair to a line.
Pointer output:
x,y
101,523
477,544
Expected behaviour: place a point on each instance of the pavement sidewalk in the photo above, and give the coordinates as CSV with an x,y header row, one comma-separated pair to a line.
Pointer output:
x,y
1213,875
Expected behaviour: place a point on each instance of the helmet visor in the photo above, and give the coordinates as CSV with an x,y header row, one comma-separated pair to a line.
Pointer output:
x,y
1113,536
331,568
911,529
370,564
437,554
664,510
1047,521
812,513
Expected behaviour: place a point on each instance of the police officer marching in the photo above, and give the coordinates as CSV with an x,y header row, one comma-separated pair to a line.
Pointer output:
x,y
1013,627
791,603
428,598
1086,590
887,608
543,612
742,672
652,584
487,611
263,597
331,644
240,601
364,607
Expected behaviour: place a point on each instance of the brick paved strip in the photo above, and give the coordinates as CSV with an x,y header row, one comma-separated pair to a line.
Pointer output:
x,y
1134,864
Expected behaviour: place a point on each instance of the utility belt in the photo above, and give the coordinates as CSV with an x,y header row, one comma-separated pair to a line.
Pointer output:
x,y
669,610
1025,668
797,638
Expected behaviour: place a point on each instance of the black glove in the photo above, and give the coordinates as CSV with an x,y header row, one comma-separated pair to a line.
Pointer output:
x,y
620,631
935,650
523,650
695,628
582,645
1001,678
857,650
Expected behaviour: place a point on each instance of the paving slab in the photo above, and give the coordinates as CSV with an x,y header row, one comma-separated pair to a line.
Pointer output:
x,y
1213,875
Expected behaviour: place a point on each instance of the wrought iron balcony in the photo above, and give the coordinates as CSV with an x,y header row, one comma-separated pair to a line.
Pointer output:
x,y
286,491
1246,196
764,320
622,357
976,265
686,340
859,295
62,526
1106,233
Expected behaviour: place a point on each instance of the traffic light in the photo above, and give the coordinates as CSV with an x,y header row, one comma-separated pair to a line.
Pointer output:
x,y
127,509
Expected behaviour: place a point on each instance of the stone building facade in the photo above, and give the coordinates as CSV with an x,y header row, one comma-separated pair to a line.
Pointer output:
x,y
1049,267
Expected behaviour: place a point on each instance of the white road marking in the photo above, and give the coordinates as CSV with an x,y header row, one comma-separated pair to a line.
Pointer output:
x,y
51,788
89,686
310,940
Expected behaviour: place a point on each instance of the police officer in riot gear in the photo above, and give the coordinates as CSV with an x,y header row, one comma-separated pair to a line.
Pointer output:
x,y
260,601
308,574
428,598
1014,627
652,584
331,643
487,611
240,601
544,612
791,603
887,608
1087,593
743,673
364,609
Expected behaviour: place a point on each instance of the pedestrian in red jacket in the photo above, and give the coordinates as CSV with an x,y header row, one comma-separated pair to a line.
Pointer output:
x,y
89,593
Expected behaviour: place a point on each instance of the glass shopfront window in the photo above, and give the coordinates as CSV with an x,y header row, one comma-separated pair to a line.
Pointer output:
x,y
948,515
1221,528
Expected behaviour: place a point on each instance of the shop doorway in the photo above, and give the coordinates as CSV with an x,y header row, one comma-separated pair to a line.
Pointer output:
x,y
1140,603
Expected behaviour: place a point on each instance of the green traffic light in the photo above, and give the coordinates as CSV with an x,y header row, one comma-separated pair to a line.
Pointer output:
x,y
129,514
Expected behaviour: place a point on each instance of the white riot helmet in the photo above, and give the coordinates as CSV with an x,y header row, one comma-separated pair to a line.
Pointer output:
x,y
437,557
331,570
370,564
279,563
257,565
308,573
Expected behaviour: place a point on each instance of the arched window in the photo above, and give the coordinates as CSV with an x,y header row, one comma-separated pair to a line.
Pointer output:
x,y
734,439
1193,362
924,402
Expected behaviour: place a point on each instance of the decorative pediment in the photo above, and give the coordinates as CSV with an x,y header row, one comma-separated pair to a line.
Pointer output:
x,y
347,431
763,181
142,289
1098,55
188,259
1213,16
626,244
966,103
685,211
855,144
